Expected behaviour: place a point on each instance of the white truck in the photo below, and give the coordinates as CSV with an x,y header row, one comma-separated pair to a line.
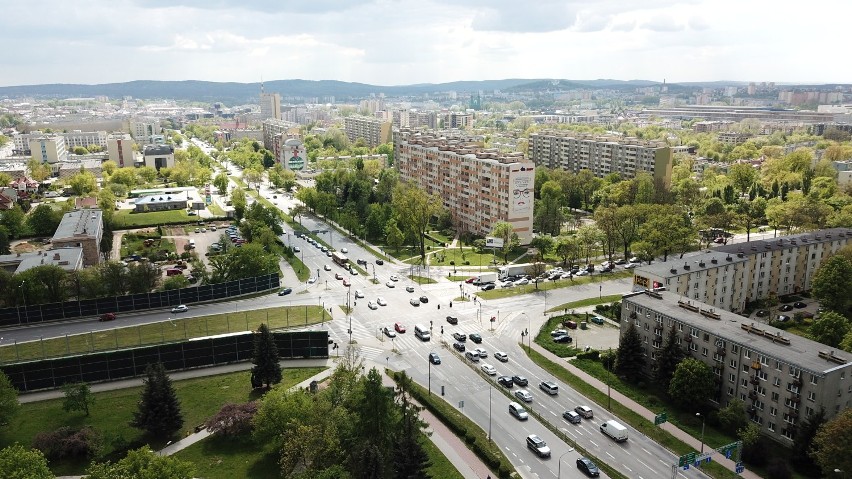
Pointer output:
x,y
614,430
485,278
514,270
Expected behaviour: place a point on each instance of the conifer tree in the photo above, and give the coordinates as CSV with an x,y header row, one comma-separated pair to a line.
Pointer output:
x,y
159,409
630,359
669,357
266,368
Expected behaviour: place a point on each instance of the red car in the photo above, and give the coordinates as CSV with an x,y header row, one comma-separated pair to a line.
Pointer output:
x,y
399,327
470,280
107,317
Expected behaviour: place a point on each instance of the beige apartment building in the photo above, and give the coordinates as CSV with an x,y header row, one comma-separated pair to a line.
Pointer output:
x,y
479,186
49,149
270,106
373,131
730,275
120,149
782,378
602,155
272,128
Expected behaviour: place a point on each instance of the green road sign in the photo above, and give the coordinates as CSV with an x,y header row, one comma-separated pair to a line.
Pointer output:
x,y
660,418
686,459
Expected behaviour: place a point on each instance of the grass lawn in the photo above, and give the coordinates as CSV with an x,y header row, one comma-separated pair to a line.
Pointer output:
x,y
457,278
131,219
112,411
587,302
302,271
543,338
216,210
178,329
441,236
134,243
440,467
549,285
422,279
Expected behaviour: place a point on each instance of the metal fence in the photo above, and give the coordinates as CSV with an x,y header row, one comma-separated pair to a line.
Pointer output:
x,y
40,313
129,363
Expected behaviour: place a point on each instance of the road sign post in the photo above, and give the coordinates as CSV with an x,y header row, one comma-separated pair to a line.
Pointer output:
x,y
661,418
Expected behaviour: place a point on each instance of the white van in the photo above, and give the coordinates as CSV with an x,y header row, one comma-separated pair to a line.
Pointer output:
x,y
422,332
614,430
192,244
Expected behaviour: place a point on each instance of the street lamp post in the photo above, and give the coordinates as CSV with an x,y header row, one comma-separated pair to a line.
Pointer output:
x,y
430,377
698,414
559,469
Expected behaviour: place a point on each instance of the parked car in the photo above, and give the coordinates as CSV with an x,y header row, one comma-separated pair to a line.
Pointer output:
x,y
359,294
390,284
783,318
394,277
381,301
761,313
338,276
475,337
346,282
564,338
786,307
488,287
399,327
107,317
522,282
424,299
414,302
505,381
459,337
327,268
558,332
501,356
409,289
799,305
372,305
452,320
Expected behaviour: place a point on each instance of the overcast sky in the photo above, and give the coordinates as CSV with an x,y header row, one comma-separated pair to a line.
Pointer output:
x,y
393,42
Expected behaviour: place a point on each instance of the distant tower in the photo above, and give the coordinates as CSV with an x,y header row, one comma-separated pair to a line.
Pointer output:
x,y
270,104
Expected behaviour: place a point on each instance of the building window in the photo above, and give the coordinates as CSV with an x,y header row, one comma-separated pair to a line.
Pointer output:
x,y
763,360
693,347
773,411
743,382
761,390
704,352
730,391
706,337
762,375
742,397
776,382
735,349
734,363
795,372
693,332
745,368
775,397
747,354
809,411
778,366
811,396
732,377
771,426
813,379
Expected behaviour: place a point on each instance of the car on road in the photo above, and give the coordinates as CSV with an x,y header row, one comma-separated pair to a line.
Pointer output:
x,y
564,338
389,332
409,289
346,282
475,337
520,380
501,356
507,284
488,369
353,271
786,307
799,305
372,305
459,337
505,381
572,417
549,387
452,320
285,291
585,411
414,302
399,327
381,301
538,446
523,395
359,294
522,282
327,268
107,317
481,352
459,347
181,308
434,358
379,262
394,277
361,261
390,284
344,250
472,356
338,276
424,299
582,273
312,280
588,467
631,265
470,280
488,287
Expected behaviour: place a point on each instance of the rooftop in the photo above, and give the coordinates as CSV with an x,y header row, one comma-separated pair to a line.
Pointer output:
x,y
790,349
692,264
159,150
86,223
66,258
783,242
178,196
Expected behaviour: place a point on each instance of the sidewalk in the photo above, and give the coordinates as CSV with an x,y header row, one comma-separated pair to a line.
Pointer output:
x,y
624,400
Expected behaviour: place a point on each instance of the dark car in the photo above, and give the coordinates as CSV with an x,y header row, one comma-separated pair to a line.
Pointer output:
x,y
475,337
761,313
107,317
361,261
452,320
786,307
520,380
379,262
460,337
488,287
572,417
505,381
586,465
424,299
799,305
459,346
434,358
285,291
564,338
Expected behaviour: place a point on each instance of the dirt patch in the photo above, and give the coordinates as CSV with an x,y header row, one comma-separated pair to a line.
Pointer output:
x,y
24,248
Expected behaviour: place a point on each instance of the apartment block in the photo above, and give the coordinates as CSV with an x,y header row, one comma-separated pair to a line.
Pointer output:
x,y
120,149
478,186
602,155
48,149
270,106
81,229
783,379
711,126
159,156
272,127
373,131
143,129
85,139
732,138
731,275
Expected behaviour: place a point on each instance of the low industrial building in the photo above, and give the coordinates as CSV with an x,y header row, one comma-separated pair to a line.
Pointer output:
x,y
81,229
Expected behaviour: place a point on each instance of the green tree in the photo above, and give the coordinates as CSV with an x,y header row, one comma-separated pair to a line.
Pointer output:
x,y
830,447
410,460
83,183
374,428
78,397
751,212
505,231
414,209
733,417
630,359
159,412
830,329
14,221
670,356
742,176
803,441
266,368
692,384
831,285
393,235
17,462
5,244
8,399
238,201
38,170
143,463
43,220
548,209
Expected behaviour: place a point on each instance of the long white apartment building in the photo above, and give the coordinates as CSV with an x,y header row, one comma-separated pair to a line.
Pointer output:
x,y
782,378
373,131
479,186
729,276
72,140
602,155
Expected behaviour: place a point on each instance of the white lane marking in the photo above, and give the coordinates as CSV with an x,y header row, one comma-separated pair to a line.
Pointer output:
x,y
594,444
610,455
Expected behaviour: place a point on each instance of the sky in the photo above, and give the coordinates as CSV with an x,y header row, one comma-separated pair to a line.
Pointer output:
x,y
397,42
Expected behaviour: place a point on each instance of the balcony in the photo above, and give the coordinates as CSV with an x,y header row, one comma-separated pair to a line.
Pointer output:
x,y
754,380
752,395
721,351
797,382
658,332
795,399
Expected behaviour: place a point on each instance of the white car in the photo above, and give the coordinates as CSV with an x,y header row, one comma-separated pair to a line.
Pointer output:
x,y
359,293
181,308
390,284
372,305
481,352
501,356
296,249
582,272
327,268
381,301
394,277
631,265
488,369
312,280
523,395
344,250
565,275
353,272
507,284
522,282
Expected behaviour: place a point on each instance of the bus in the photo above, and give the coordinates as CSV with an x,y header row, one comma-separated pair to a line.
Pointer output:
x,y
338,258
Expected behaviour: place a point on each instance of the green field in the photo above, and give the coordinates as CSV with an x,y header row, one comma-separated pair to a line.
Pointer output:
x,y
130,219
177,329
587,302
550,285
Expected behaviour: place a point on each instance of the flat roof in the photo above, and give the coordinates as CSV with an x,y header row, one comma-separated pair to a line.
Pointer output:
x,y
801,352
66,258
85,222
689,265
788,241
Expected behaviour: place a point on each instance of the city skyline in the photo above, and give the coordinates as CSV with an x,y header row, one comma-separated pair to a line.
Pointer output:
x,y
402,42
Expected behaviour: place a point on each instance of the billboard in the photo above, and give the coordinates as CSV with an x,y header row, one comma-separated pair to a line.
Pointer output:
x,y
294,155
491,242
521,181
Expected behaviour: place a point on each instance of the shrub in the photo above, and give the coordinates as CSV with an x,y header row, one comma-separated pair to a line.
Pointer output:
x,y
504,472
68,443
233,420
